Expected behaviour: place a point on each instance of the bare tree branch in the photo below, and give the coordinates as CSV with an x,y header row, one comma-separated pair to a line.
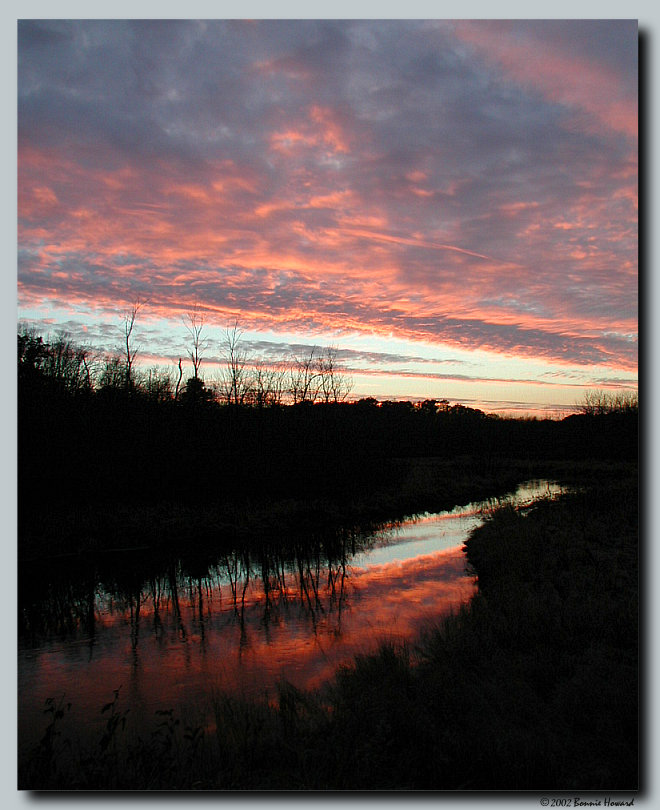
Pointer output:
x,y
236,380
130,349
194,323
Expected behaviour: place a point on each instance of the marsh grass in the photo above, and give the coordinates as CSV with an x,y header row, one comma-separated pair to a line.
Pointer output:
x,y
171,757
533,685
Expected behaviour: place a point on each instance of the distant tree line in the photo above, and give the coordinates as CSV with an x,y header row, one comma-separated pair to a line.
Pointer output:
x,y
314,376
599,403
95,429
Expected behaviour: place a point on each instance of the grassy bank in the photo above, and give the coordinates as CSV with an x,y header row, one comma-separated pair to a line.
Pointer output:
x,y
532,686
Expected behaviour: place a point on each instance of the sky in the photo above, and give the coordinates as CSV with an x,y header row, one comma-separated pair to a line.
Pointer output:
x,y
451,204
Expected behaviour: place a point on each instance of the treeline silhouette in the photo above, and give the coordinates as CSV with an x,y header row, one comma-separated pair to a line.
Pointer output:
x,y
104,434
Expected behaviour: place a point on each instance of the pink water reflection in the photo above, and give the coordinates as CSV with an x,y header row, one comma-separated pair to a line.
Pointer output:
x,y
174,645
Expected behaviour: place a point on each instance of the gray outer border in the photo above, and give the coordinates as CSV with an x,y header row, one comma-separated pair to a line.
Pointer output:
x,y
648,15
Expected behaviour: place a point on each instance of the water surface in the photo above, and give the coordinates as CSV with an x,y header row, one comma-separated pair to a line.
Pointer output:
x,y
167,638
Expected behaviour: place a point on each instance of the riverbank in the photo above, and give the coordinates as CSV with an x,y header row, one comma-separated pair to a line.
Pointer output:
x,y
534,685
406,486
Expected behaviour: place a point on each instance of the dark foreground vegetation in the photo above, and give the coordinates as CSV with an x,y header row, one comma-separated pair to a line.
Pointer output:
x,y
534,685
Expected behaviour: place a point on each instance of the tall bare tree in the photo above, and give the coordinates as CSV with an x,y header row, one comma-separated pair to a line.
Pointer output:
x,y
194,323
335,384
130,350
235,377
304,378
267,384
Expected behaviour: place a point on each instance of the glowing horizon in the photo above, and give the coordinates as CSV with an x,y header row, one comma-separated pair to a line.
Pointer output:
x,y
452,204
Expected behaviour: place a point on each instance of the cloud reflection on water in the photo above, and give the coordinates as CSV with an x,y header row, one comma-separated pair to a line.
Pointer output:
x,y
179,646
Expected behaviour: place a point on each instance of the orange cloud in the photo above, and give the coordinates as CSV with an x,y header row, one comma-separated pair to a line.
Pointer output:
x,y
331,131
287,141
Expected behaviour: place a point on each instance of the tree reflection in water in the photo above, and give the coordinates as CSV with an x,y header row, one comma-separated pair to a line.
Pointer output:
x,y
172,630
71,599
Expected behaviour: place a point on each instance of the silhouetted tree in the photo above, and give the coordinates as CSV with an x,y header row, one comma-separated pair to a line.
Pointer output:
x,y
194,323
234,382
113,374
304,377
195,392
60,362
597,402
267,384
158,385
130,350
335,384
178,382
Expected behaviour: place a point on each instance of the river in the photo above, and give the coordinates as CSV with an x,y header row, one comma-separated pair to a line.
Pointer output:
x,y
169,638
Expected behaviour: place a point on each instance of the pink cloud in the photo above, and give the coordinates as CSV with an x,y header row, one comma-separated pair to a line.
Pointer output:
x,y
562,75
412,191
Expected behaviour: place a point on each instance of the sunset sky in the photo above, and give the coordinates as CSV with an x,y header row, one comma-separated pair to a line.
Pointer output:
x,y
451,204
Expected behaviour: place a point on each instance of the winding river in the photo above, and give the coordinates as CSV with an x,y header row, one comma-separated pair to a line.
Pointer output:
x,y
168,639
